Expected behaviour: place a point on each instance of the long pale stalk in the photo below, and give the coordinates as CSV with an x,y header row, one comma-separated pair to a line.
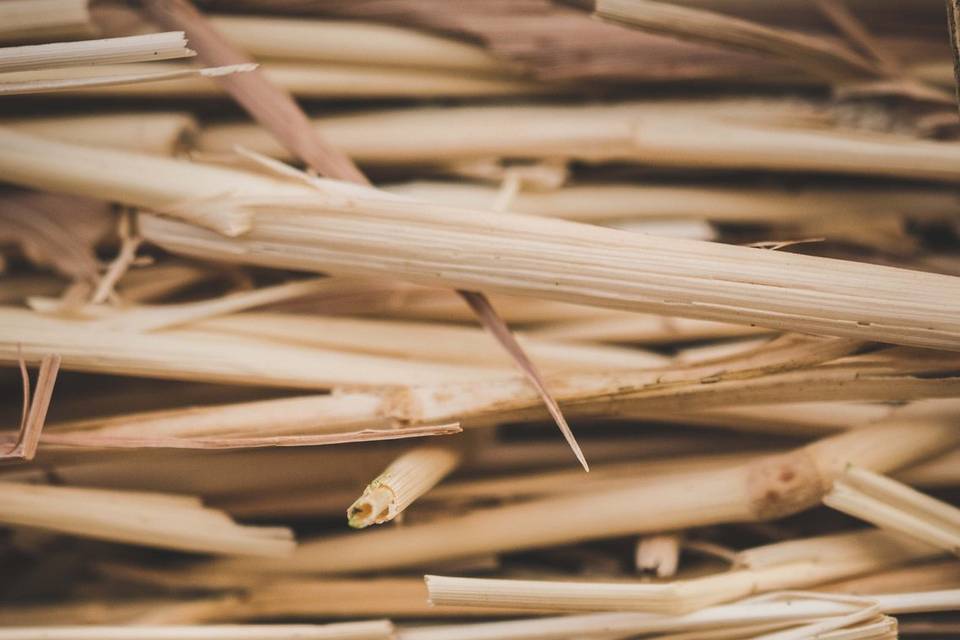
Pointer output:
x,y
406,479
757,135
162,133
503,252
151,519
154,46
96,78
373,630
26,20
196,355
892,505
790,609
767,487
606,202
427,341
306,80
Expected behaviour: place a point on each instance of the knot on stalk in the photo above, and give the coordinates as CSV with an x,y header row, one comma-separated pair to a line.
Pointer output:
x,y
783,484
402,407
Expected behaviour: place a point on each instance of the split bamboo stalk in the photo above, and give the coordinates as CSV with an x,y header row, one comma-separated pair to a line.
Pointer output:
x,y
406,479
765,488
305,80
372,630
151,519
532,256
25,20
161,133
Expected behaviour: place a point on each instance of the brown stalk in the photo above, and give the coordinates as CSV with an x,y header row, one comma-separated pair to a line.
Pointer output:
x,y
953,24
276,110
34,410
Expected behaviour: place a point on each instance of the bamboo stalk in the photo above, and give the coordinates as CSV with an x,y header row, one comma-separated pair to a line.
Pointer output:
x,y
150,519
767,487
406,479
24,20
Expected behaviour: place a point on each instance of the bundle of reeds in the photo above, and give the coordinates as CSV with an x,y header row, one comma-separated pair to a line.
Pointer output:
x,y
287,270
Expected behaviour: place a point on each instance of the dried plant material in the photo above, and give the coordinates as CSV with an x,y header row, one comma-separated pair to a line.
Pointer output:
x,y
893,505
195,355
277,111
274,109
156,46
731,277
253,441
129,244
163,133
157,317
768,487
372,630
953,24
337,41
659,554
25,20
489,318
843,19
55,231
601,203
66,80
304,80
433,341
773,612
34,408
275,37
500,398
789,572
406,479
814,54
150,519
